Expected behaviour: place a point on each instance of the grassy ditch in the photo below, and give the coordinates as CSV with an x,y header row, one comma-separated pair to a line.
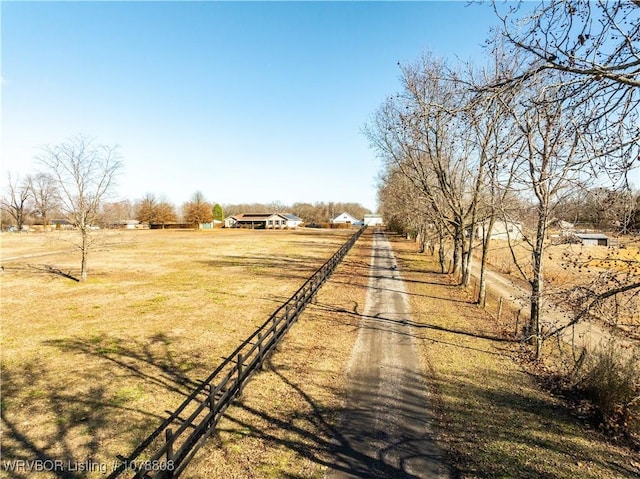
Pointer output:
x,y
494,421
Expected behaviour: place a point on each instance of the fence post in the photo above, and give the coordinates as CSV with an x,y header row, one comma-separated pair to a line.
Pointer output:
x,y
517,321
168,436
260,350
499,307
239,378
212,397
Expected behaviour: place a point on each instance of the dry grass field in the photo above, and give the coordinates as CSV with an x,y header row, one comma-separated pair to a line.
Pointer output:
x,y
89,369
559,256
568,266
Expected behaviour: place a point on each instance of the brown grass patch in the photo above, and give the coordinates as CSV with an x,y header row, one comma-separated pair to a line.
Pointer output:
x,y
89,369
284,423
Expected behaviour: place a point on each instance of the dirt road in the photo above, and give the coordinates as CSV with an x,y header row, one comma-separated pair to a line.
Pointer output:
x,y
385,431
585,334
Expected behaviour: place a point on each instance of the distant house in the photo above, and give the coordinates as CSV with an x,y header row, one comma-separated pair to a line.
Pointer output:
x,y
345,218
293,221
373,220
61,223
502,230
263,221
125,224
592,239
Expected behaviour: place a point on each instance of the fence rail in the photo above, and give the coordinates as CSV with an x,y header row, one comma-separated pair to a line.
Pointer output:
x,y
166,452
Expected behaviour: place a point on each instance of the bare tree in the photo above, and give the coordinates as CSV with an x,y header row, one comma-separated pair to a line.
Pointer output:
x,y
17,199
85,174
426,133
115,213
45,196
583,64
590,40
496,144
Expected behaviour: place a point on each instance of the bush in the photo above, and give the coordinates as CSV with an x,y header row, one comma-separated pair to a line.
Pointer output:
x,y
610,380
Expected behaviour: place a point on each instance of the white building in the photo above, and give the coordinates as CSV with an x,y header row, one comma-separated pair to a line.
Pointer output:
x,y
373,220
503,230
345,218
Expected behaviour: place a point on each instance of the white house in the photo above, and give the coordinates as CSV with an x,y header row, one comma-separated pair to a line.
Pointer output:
x,y
373,220
503,230
262,221
345,218
293,221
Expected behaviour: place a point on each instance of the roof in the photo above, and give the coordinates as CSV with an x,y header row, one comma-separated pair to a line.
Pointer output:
x,y
373,216
264,216
351,217
591,236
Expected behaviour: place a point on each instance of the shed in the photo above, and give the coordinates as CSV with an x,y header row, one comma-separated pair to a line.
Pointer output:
x,y
593,239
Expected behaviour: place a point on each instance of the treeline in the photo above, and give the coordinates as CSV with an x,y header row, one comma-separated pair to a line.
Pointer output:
x,y
34,200
546,129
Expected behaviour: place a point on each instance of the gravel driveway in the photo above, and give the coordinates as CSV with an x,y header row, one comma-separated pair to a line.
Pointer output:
x,y
385,430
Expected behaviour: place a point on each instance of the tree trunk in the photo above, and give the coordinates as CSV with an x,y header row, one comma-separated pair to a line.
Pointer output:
x,y
467,262
537,285
442,256
486,239
458,252
84,249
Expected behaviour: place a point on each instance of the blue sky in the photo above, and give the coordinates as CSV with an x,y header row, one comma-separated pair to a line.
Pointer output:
x,y
244,101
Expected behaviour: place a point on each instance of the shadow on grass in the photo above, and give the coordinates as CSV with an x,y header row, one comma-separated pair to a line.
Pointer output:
x,y
500,433
311,432
59,422
70,415
379,320
505,431
151,361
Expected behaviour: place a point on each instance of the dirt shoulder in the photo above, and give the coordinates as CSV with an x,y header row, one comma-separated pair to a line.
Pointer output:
x,y
493,420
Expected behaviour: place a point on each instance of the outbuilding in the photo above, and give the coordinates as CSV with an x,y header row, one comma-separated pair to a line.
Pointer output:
x,y
592,239
373,220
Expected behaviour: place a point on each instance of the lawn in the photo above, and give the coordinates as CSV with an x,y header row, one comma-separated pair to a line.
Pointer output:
x,y
89,369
